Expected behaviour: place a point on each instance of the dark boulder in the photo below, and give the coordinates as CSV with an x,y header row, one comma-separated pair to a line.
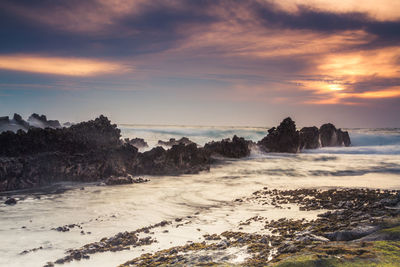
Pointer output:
x,y
330,136
238,147
10,201
114,180
19,121
14,124
97,134
173,142
137,142
351,234
345,137
309,138
41,121
180,159
285,138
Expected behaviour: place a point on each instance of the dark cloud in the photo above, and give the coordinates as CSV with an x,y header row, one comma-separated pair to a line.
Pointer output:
x,y
307,18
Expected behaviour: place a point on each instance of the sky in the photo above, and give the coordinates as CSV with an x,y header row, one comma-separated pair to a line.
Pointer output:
x,y
205,62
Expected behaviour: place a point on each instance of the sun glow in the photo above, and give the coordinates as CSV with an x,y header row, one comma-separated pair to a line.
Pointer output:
x,y
57,65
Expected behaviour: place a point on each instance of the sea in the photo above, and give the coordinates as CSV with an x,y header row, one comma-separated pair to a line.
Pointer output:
x,y
205,200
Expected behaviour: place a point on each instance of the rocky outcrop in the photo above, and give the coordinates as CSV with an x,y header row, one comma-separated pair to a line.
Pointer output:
x,y
309,138
41,121
34,121
80,138
88,151
330,136
10,201
238,147
180,159
14,124
284,138
173,142
113,180
137,142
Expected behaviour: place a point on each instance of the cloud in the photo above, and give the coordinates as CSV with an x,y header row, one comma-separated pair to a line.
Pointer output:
x,y
58,65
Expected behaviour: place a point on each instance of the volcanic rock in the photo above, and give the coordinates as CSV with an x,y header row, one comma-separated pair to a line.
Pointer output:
x,y
238,147
10,201
173,141
285,138
137,142
309,138
330,136
41,121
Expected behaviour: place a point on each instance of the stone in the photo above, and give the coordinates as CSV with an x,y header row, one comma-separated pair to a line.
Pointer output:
x,y
238,147
309,138
173,142
284,138
10,201
137,142
330,136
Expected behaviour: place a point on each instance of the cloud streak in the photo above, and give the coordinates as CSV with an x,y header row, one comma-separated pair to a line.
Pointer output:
x,y
58,65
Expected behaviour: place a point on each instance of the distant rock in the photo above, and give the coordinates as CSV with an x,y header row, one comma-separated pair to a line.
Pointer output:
x,y
113,180
180,159
309,138
238,147
285,138
34,121
137,142
10,201
41,121
330,136
173,142
14,124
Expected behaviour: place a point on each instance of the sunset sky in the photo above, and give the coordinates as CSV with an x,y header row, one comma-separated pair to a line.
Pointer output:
x,y
203,62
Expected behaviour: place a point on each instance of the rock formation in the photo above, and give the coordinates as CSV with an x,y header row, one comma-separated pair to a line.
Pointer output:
x,y
173,141
235,148
309,138
180,159
285,138
88,151
14,124
41,121
137,142
330,136
93,151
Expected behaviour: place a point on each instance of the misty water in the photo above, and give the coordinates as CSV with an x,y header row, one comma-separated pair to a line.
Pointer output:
x,y
372,161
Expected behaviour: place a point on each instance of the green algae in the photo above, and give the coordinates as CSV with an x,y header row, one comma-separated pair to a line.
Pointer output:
x,y
378,253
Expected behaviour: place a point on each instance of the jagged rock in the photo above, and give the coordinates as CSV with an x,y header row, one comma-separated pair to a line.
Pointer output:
x,y
137,142
41,121
309,138
330,136
235,148
173,141
285,138
13,125
80,138
10,201
113,180
177,160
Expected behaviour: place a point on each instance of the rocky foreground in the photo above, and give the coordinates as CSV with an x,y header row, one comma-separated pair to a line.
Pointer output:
x,y
354,227
42,152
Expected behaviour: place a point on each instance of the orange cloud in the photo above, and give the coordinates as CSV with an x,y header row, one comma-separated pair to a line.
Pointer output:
x,y
380,10
58,65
